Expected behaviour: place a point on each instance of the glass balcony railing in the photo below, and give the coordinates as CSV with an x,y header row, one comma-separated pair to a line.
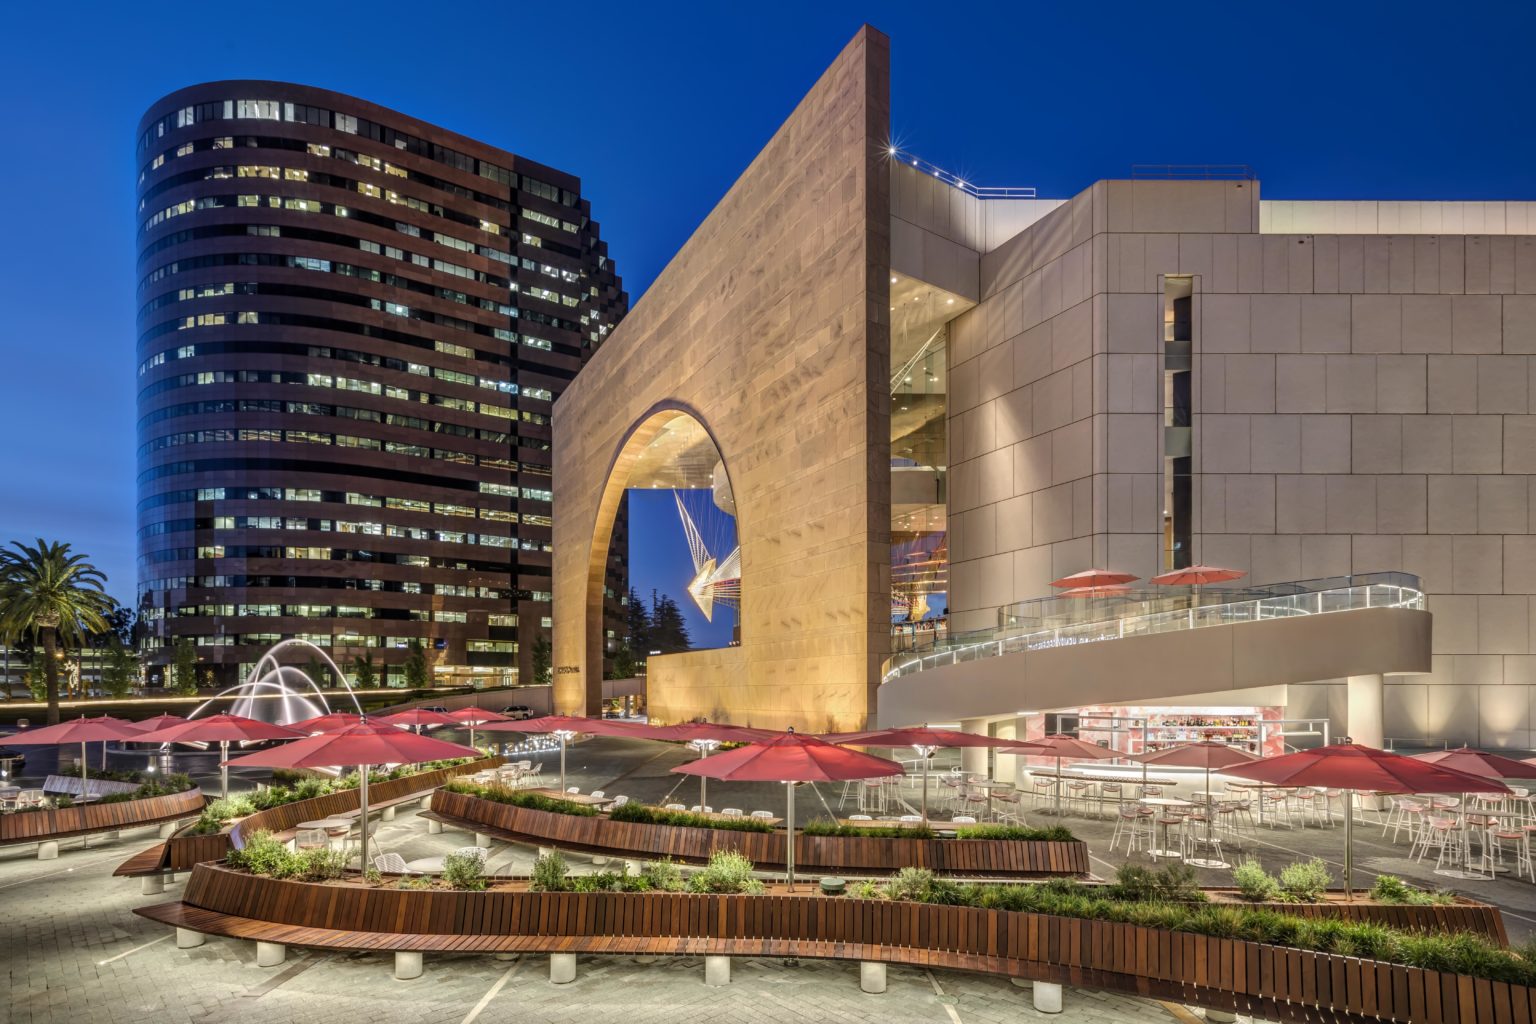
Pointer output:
x,y
1060,622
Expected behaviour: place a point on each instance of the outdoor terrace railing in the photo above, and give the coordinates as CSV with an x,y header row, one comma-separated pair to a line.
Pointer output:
x,y
1061,622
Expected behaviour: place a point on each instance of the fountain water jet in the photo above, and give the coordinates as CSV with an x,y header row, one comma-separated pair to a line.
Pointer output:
x,y
295,705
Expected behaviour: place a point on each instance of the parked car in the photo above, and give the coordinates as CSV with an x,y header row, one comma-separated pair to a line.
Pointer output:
x,y
519,712
436,707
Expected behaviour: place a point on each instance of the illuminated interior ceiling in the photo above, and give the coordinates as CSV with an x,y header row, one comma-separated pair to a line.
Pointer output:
x,y
682,455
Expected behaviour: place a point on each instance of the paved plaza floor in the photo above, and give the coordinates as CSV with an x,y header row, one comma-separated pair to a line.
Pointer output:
x,y
73,951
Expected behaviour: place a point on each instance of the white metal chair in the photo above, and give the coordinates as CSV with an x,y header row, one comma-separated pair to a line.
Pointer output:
x,y
392,864
618,801
597,794
731,812
476,852
762,814
572,790
860,817
676,807
963,819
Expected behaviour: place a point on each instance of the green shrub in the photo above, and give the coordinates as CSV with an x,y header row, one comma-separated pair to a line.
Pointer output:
x,y
318,865
1254,883
1174,883
598,881
413,882
1391,889
518,798
726,872
1305,881
874,831
261,854
549,872
373,876
1053,834
868,889
686,819
662,875
464,871
221,812
61,801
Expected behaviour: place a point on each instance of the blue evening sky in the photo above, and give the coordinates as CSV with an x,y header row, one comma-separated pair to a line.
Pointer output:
x,y
657,107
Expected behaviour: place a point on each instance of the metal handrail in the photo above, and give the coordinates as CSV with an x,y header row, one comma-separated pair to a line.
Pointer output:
x,y
955,181
1373,590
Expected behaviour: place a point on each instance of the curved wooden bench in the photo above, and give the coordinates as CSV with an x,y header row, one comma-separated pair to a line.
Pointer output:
x,y
87,819
991,858
1268,982
183,851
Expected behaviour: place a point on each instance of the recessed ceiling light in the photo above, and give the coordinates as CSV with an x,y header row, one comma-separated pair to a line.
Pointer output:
x,y
893,280
951,302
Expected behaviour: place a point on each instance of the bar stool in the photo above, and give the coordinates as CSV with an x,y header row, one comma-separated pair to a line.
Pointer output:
x,y
1404,814
1134,827
1043,789
1519,839
1077,795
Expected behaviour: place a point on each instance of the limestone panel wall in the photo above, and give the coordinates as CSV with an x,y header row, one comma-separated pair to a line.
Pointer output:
x,y
1362,402
770,327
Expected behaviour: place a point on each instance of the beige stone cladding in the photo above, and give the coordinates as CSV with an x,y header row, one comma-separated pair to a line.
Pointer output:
x,y
1362,402
770,326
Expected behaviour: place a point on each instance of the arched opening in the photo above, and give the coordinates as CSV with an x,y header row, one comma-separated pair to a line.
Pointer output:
x,y
674,459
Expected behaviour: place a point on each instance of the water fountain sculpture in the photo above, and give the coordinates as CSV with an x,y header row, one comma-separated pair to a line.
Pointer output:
x,y
298,696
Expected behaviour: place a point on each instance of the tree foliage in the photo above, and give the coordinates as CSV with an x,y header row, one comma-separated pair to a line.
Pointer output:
x,y
415,665
363,675
543,660
183,673
54,595
669,631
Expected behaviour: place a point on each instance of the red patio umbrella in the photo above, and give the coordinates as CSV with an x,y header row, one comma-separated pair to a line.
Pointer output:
x,y
330,722
1480,762
1064,748
415,718
221,729
925,741
76,730
791,758
1206,754
357,746
476,716
1196,576
158,722
562,727
1094,578
703,737
1351,766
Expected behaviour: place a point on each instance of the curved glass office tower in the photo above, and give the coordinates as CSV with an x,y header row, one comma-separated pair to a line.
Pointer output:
x,y
351,328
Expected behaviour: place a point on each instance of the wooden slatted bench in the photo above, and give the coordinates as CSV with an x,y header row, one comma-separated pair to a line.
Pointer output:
x,y
47,827
599,834
1266,981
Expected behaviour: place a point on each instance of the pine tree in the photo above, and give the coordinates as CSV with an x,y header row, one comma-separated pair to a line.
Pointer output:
x,y
669,631
543,660
415,665
639,624
362,672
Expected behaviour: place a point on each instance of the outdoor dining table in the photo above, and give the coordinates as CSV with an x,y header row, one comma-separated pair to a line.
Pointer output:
x,y
1164,801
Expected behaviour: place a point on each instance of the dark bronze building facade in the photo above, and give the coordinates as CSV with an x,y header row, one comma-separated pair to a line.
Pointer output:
x,y
351,328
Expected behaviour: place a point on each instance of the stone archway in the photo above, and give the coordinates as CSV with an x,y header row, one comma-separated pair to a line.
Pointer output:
x,y
689,457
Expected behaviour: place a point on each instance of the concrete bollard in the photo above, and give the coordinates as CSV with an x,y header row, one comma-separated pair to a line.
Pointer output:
x,y
270,954
1022,982
1220,1017
152,885
505,957
1047,997
632,868
48,849
388,814
167,830
717,970
407,965
482,840
434,827
186,938
562,968
871,977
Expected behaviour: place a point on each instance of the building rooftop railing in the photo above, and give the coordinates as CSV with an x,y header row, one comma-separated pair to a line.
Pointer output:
x,y
954,180
1060,621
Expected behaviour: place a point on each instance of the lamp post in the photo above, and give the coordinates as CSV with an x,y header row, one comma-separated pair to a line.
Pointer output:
x,y
563,735
705,748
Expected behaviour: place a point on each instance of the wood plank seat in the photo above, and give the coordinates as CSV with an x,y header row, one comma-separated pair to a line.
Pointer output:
x,y
145,862
87,819
1268,982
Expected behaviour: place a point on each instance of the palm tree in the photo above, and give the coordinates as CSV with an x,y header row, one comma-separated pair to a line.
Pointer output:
x,y
52,595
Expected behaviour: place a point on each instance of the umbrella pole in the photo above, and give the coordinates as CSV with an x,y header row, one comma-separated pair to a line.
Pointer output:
x,y
1349,851
82,770
1058,785
224,767
789,839
562,765
925,790
362,787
